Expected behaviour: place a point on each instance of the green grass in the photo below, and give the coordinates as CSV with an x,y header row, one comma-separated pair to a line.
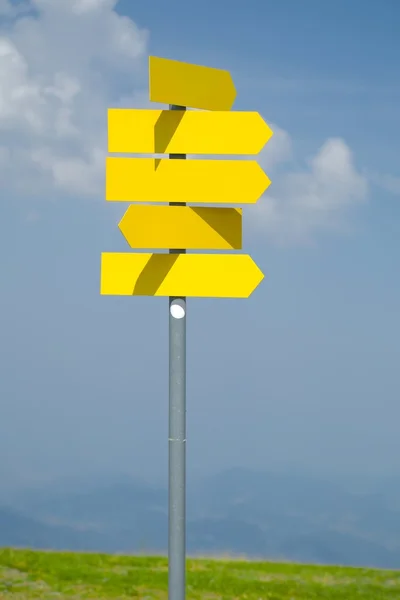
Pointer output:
x,y
26,574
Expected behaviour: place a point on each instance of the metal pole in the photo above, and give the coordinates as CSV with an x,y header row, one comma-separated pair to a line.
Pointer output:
x,y
177,438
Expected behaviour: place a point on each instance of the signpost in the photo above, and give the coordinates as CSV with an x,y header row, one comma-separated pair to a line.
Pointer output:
x,y
176,227
159,274
147,226
190,132
163,180
183,84
177,431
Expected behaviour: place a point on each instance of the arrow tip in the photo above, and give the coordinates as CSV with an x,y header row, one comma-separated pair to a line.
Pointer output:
x,y
267,133
231,95
258,276
186,84
261,182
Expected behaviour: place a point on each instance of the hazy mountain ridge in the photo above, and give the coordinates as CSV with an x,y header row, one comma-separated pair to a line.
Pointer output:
x,y
239,511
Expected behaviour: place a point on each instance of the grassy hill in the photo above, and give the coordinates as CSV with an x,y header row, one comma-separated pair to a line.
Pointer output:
x,y
26,574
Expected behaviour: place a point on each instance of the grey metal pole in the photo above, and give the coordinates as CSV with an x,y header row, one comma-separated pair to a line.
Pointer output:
x,y
177,438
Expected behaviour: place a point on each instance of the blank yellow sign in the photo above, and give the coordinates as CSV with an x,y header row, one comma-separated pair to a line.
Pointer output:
x,y
202,275
182,227
201,181
186,132
184,84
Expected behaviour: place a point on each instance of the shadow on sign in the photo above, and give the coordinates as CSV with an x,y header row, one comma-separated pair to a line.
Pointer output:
x,y
226,222
164,130
154,273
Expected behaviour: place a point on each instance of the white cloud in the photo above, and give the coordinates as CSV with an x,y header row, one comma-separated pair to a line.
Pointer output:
x,y
277,151
61,66
64,62
316,198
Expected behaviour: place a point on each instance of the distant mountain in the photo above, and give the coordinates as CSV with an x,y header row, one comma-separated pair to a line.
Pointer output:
x,y
17,530
331,547
239,511
118,505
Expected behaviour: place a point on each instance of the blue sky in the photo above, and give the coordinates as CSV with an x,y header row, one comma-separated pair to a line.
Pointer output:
x,y
304,374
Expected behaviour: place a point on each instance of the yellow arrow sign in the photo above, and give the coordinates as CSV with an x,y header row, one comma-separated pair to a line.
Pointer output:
x,y
182,227
165,180
184,84
206,275
186,132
